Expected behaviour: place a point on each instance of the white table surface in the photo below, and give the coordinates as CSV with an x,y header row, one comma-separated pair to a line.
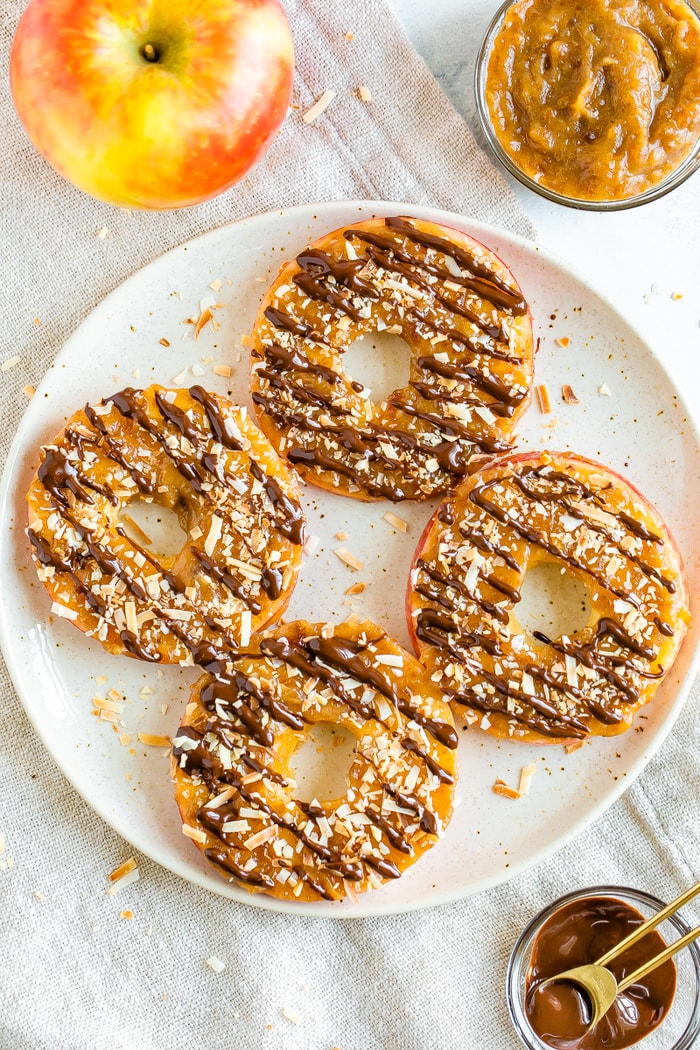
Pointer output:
x,y
637,258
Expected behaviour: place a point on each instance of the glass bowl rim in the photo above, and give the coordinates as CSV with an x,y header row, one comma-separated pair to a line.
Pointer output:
x,y
686,1039
675,178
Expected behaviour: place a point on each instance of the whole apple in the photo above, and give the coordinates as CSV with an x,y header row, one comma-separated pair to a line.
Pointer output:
x,y
152,103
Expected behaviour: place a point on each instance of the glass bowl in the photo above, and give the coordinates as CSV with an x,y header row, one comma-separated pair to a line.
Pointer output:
x,y
681,1026
674,179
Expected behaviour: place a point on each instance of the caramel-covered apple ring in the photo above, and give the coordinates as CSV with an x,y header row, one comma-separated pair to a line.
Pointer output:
x,y
232,762
468,328
465,587
201,457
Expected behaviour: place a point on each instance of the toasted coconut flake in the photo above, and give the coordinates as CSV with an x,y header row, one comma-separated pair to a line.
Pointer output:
x,y
196,834
62,610
131,621
215,964
154,740
320,106
219,800
122,876
127,914
575,745
564,341
364,93
543,402
396,522
342,535
501,788
222,370
349,559
355,588
311,545
246,626
204,318
108,705
526,775
10,363
568,395
213,535
164,341
291,1015
264,835
604,390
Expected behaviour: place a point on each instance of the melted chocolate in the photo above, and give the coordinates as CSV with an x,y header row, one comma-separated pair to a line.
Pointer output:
x,y
580,932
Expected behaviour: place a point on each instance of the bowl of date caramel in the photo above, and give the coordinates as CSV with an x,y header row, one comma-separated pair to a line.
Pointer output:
x,y
594,104
659,1012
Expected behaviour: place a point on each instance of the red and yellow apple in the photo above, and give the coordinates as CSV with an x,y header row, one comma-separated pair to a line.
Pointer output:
x,y
152,103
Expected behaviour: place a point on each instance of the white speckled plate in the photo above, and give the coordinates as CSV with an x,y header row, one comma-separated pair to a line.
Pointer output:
x,y
641,429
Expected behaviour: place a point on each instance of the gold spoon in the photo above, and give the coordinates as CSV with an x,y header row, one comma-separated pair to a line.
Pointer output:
x,y
600,985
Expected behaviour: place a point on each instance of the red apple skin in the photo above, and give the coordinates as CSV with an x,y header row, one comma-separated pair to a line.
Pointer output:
x,y
160,134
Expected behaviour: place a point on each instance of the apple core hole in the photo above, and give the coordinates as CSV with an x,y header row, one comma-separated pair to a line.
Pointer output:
x,y
153,527
380,361
322,762
553,602
150,53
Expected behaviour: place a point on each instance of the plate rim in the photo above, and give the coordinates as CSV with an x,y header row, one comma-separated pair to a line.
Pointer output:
x,y
341,910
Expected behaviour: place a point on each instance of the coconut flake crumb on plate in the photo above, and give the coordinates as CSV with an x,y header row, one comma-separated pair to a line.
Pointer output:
x,y
500,787
55,668
396,522
526,775
543,401
348,559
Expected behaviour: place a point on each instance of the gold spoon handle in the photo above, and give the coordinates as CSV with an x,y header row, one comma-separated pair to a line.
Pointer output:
x,y
650,924
647,967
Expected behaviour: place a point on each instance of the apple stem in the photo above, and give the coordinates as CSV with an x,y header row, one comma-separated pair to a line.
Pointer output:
x,y
149,53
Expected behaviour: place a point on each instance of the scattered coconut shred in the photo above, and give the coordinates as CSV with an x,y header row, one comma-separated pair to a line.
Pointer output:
x,y
320,106
543,401
500,787
123,876
349,559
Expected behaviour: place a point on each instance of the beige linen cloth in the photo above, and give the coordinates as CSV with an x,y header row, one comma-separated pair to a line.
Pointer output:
x,y
72,975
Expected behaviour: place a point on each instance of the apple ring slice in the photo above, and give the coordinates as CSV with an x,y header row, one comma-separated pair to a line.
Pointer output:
x,y
468,328
196,455
466,582
232,757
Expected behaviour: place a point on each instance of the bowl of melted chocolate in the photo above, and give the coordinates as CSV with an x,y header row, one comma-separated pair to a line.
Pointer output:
x,y
659,1012
593,103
